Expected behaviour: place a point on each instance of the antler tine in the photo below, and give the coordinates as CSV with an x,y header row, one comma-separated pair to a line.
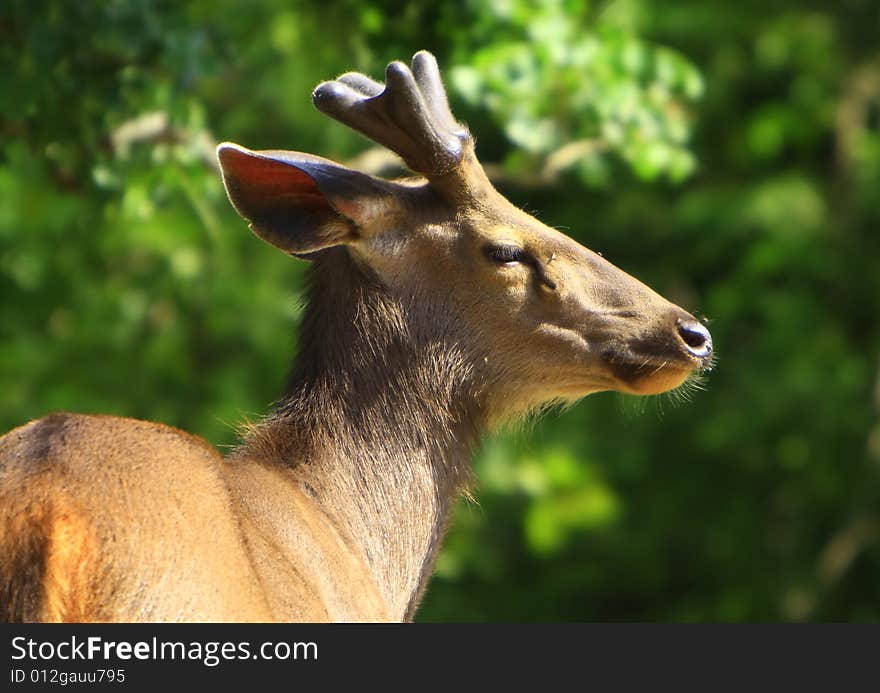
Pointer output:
x,y
427,74
361,83
409,114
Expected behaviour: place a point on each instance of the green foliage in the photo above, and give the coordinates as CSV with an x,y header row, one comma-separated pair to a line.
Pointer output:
x,y
560,83
726,153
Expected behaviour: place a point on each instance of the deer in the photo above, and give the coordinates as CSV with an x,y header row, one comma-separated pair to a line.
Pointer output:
x,y
437,311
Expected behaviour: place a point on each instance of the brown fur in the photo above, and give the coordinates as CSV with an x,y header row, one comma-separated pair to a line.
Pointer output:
x,y
70,554
24,546
417,338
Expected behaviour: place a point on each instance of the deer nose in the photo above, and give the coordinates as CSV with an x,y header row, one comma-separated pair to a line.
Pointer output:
x,y
696,338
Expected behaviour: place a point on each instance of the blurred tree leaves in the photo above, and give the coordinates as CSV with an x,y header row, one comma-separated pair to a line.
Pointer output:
x,y
564,85
726,153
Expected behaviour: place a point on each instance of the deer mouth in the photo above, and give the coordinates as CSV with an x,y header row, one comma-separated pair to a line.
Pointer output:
x,y
649,367
648,376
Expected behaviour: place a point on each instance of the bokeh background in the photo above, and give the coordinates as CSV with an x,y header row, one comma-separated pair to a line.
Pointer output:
x,y
727,153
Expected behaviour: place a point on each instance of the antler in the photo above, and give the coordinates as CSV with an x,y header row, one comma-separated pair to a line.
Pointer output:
x,y
409,114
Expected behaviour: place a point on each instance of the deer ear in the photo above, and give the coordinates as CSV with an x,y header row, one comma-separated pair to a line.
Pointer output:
x,y
298,202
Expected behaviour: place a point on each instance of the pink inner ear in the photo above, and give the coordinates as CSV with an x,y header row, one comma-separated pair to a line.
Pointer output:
x,y
265,181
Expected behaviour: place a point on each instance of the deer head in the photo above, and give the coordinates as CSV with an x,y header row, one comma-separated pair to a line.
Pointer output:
x,y
537,316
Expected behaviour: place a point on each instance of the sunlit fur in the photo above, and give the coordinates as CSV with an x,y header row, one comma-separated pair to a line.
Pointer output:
x,y
416,340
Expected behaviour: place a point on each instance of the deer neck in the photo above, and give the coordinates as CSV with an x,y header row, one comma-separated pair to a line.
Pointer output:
x,y
378,425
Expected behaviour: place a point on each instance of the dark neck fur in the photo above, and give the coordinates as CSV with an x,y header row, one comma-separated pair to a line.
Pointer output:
x,y
381,414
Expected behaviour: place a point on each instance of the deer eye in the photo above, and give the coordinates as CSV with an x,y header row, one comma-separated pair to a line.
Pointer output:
x,y
505,254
